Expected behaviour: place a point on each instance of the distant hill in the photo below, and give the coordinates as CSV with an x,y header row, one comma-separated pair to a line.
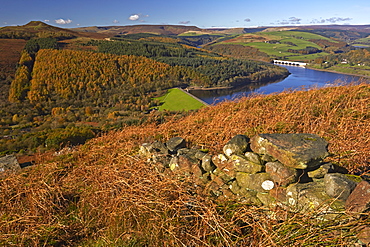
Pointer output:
x,y
156,29
41,30
357,28
346,33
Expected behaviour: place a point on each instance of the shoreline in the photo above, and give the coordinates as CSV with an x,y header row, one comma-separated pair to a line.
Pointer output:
x,y
236,86
207,88
342,73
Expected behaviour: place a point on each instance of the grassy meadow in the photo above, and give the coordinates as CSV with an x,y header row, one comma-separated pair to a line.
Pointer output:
x,y
103,194
177,100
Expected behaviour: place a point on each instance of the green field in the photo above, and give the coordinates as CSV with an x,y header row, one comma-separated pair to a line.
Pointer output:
x,y
287,40
177,100
298,35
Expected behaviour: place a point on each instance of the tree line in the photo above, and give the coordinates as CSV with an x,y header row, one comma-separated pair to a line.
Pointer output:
x,y
221,71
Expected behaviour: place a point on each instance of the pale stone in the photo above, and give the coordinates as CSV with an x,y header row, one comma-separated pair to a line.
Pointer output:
x,y
268,185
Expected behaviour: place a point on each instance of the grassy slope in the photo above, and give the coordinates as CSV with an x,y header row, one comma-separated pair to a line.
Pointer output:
x,y
102,194
177,100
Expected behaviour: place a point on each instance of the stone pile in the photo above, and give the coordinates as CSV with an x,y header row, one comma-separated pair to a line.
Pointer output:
x,y
286,170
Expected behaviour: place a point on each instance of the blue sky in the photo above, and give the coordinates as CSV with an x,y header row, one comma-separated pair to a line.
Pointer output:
x,y
201,13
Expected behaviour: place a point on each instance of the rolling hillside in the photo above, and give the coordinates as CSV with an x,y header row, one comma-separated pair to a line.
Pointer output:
x,y
288,45
155,29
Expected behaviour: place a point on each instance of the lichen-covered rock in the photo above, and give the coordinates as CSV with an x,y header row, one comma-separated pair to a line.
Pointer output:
x,y
225,174
338,186
174,163
325,169
294,150
9,163
241,164
359,200
207,164
252,181
253,157
224,166
267,158
237,145
311,196
245,195
321,171
281,174
219,160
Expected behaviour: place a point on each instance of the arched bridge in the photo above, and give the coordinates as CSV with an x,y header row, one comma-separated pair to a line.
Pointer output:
x,y
290,63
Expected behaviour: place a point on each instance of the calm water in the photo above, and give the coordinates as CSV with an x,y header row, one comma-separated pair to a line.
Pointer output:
x,y
299,78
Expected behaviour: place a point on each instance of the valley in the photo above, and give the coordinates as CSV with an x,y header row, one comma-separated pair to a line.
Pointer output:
x,y
69,85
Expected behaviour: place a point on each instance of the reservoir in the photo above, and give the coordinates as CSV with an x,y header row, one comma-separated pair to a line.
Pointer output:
x,y
300,78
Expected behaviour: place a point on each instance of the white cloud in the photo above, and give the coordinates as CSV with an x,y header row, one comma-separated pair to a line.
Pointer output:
x,y
63,22
134,17
291,20
115,21
331,20
184,22
46,20
294,20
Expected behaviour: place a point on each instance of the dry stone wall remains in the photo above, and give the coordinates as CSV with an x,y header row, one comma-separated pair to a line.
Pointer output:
x,y
285,170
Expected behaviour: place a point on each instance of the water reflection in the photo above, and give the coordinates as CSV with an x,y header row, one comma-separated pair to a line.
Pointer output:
x,y
299,78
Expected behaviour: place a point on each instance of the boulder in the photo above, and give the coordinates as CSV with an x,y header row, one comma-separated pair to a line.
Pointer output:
x,y
359,200
9,163
176,143
241,164
237,145
311,196
281,174
190,153
299,151
338,186
252,181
